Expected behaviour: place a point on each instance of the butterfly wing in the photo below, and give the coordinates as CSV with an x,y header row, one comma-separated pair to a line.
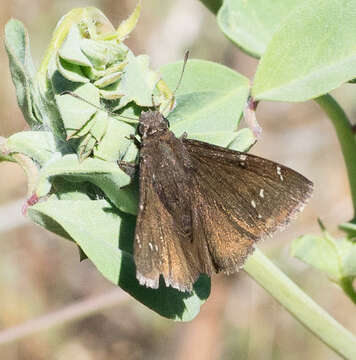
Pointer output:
x,y
239,199
203,207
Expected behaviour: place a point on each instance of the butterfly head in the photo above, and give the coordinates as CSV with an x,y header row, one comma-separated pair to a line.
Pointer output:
x,y
151,122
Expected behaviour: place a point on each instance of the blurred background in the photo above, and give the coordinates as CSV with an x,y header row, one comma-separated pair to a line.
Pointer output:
x,y
40,273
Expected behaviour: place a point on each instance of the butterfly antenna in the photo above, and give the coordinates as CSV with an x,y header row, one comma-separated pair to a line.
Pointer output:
x,y
153,103
71,93
186,56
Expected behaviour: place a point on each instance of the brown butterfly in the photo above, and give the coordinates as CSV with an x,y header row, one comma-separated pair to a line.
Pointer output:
x,y
202,207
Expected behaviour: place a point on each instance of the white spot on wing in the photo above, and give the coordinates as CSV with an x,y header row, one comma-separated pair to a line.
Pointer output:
x,y
253,204
243,157
151,246
259,216
279,172
262,195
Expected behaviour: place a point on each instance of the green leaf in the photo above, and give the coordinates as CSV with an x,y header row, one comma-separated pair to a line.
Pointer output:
x,y
76,113
103,53
350,229
115,143
38,145
4,158
320,252
70,49
349,263
251,24
311,53
212,5
240,140
22,70
129,24
137,82
243,140
71,72
204,102
95,134
108,79
105,175
105,236
85,147
336,258
73,190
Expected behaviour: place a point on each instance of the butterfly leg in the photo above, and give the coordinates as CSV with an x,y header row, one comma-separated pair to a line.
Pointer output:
x,y
134,139
183,136
129,168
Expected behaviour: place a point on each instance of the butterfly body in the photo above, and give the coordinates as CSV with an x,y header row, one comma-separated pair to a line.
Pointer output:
x,y
203,207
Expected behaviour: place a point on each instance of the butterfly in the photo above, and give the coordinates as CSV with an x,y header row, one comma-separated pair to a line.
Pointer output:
x,y
202,207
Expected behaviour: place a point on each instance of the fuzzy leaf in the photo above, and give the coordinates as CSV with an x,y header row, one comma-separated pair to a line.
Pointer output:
x,y
251,24
71,72
240,140
320,252
105,175
137,82
312,53
103,53
22,71
213,103
70,49
115,143
336,258
76,113
105,236
98,128
129,24
38,145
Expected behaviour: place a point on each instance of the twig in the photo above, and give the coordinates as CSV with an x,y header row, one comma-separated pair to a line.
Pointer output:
x,y
70,313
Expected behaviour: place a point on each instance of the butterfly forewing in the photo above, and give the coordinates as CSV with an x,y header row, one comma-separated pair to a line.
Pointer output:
x,y
260,195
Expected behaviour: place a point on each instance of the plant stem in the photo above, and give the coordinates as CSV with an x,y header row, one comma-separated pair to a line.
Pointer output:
x,y
31,170
300,305
346,138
